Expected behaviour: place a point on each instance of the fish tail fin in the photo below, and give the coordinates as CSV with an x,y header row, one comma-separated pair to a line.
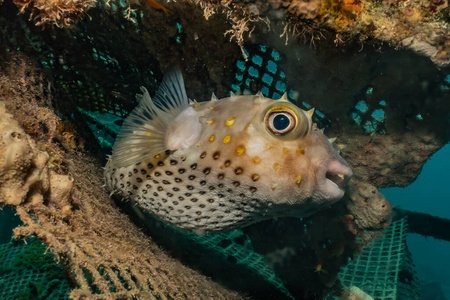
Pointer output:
x,y
143,132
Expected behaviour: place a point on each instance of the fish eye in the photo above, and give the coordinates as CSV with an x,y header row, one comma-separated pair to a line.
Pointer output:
x,y
280,122
286,121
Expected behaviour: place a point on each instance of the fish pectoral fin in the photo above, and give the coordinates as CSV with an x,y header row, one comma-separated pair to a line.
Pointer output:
x,y
143,133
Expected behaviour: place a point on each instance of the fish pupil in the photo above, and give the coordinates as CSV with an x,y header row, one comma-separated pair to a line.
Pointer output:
x,y
281,122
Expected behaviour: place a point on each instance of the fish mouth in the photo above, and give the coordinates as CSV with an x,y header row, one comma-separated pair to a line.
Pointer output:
x,y
333,178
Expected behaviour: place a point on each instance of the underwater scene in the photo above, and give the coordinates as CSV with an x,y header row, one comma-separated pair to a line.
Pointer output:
x,y
225,149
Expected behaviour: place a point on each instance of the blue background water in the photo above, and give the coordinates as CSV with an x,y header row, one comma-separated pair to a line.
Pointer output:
x,y
430,193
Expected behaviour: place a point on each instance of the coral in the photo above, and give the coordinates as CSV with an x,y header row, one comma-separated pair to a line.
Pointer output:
x,y
17,173
60,12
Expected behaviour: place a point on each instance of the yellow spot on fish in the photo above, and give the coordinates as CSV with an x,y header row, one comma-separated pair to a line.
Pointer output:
x,y
255,177
199,144
300,151
212,138
157,156
210,121
247,127
285,150
240,150
227,163
227,139
276,166
149,133
298,179
229,122
256,160
268,147
196,104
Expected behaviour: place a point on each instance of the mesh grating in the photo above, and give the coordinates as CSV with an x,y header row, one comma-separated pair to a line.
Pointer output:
x,y
28,272
385,269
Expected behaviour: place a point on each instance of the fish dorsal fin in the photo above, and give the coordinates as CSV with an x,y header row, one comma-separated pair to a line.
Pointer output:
x,y
143,132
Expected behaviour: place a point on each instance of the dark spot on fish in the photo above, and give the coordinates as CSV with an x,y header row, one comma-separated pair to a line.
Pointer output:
x,y
253,189
242,196
210,200
232,201
152,199
129,174
148,177
149,166
143,172
169,195
135,187
135,171
167,152
190,187
170,208
206,171
173,162
157,174
166,182
175,202
121,176
138,179
191,177
212,210
155,194
155,181
211,187
203,182
202,205
187,194
181,198
164,200
236,183
230,191
202,192
193,166
198,213
194,199
216,155
221,176
160,188
228,211
181,211
227,163
181,171
178,180
130,193
128,183
175,189
203,155
169,173
144,192
148,186
187,207
255,177
220,195
122,185
238,171
220,185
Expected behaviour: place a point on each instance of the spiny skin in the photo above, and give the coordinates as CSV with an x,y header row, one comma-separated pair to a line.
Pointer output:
x,y
237,173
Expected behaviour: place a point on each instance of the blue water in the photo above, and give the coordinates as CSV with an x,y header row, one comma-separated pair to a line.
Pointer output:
x,y
430,193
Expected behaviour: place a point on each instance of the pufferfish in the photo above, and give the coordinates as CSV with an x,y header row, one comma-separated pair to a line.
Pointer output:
x,y
223,164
